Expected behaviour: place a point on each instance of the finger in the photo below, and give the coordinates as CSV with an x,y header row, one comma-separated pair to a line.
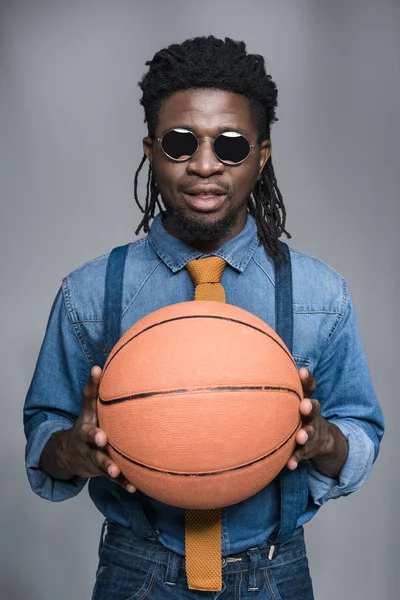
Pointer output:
x,y
292,463
124,483
301,437
305,407
304,437
88,464
304,452
310,431
296,457
305,434
90,392
101,459
310,448
100,437
93,435
307,381
310,409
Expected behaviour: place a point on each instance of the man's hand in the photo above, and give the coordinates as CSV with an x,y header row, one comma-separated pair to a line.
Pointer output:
x,y
318,439
80,451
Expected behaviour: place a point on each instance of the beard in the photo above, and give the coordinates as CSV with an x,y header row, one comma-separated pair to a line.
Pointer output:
x,y
199,228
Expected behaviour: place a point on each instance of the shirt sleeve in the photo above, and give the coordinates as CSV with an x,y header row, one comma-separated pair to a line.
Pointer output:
x,y
54,399
347,398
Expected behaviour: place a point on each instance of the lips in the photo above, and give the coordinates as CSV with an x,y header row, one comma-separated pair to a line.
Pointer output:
x,y
214,190
205,197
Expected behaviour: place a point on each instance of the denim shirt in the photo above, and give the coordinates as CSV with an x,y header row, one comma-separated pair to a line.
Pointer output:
x,y
326,340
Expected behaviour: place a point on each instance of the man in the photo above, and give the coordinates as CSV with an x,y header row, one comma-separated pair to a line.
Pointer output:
x,y
209,106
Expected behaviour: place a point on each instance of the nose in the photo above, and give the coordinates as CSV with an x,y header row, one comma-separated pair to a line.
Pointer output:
x,y
205,163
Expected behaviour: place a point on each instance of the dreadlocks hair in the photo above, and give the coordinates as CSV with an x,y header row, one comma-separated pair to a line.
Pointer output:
x,y
208,62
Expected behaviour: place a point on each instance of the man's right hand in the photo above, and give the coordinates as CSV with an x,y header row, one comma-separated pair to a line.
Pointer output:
x,y
80,451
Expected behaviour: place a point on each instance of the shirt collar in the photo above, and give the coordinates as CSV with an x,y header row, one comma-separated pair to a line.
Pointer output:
x,y
175,253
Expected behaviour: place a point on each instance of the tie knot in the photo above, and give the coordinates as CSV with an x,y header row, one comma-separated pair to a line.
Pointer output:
x,y
206,270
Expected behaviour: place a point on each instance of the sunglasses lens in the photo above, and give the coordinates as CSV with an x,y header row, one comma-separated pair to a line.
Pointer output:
x,y
231,147
179,144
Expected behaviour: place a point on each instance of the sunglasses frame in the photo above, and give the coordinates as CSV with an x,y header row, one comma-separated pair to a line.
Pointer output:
x,y
229,164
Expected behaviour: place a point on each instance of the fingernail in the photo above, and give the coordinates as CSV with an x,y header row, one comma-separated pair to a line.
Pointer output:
x,y
110,471
130,489
97,439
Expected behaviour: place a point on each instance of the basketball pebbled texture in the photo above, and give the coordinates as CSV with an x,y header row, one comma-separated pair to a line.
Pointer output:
x,y
200,403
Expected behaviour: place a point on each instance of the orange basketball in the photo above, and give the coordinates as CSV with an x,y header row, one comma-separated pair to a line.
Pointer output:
x,y
200,403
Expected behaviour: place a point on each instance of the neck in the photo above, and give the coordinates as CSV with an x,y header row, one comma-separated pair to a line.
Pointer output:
x,y
205,238
206,247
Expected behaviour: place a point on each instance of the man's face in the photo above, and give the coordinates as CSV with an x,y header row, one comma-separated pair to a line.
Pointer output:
x,y
206,218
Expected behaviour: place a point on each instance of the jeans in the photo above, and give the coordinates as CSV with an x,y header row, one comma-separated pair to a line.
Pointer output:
x,y
131,568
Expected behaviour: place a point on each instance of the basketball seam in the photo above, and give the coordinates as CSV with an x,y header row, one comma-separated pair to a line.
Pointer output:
x,y
111,358
208,474
179,391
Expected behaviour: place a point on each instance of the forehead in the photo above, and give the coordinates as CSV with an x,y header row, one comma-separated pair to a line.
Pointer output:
x,y
206,112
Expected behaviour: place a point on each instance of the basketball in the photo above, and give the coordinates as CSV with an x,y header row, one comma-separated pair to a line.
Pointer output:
x,y
200,404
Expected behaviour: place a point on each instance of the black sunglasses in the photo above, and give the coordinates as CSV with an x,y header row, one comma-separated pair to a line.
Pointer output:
x,y
230,147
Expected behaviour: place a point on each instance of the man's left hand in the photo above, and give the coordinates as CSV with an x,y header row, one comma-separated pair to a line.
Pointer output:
x,y
318,439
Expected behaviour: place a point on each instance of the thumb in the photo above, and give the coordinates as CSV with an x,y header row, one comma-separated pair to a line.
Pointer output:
x,y
90,393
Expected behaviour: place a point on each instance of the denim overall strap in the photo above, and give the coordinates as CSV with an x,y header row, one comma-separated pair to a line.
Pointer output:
x,y
294,490
112,312
113,297
284,297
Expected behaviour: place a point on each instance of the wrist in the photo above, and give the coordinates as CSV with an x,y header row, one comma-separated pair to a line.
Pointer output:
x,y
330,460
55,456
63,453
331,440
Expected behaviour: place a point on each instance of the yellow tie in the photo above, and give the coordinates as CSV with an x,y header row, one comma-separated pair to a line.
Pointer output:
x,y
203,527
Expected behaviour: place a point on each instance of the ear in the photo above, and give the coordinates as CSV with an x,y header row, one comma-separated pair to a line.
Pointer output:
x,y
265,153
148,148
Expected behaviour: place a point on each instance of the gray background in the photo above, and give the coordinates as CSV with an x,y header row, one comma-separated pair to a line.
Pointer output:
x,y
70,131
